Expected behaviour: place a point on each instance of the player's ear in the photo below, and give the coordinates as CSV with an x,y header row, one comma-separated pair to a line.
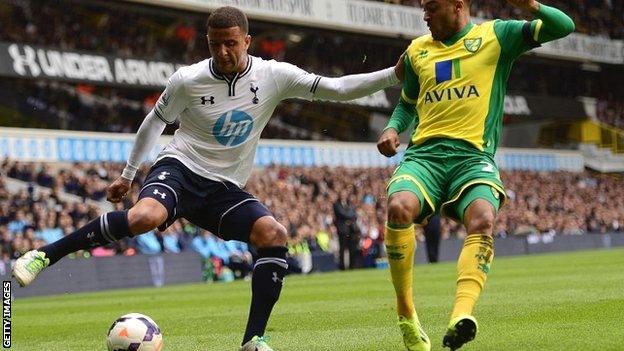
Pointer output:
x,y
247,40
457,4
462,4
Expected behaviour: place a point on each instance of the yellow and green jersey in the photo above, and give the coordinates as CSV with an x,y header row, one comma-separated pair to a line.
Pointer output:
x,y
455,89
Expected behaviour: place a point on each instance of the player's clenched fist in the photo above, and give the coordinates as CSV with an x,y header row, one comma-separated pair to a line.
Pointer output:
x,y
388,142
118,189
529,5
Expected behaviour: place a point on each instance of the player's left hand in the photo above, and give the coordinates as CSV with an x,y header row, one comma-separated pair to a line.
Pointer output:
x,y
399,69
528,5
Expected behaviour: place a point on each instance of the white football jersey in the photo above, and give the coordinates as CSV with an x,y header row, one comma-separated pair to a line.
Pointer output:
x,y
221,119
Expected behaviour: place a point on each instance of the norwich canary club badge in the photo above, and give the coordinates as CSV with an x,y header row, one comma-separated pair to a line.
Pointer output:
x,y
472,45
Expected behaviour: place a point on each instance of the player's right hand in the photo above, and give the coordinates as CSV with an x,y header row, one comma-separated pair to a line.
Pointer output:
x,y
388,142
118,189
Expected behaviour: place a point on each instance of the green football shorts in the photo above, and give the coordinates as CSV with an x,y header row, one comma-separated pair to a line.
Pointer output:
x,y
447,175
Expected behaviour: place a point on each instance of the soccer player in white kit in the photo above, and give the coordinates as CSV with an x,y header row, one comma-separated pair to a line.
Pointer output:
x,y
222,104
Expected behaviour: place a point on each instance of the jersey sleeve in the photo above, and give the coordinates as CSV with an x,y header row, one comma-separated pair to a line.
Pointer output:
x,y
517,37
405,111
294,82
411,85
173,100
552,24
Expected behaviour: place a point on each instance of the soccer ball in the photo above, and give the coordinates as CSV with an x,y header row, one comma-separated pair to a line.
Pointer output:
x,y
134,332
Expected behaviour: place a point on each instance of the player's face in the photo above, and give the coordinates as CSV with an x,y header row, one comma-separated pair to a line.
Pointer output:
x,y
228,48
441,17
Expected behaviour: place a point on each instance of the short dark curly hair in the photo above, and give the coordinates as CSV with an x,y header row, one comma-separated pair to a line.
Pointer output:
x,y
227,17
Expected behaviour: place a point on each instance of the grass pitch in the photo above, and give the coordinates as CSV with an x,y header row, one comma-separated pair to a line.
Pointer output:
x,y
571,301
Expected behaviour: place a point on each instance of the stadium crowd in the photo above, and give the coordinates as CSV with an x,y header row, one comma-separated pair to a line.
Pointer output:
x,y
302,199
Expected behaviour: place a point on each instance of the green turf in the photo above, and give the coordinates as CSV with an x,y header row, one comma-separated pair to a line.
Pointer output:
x,y
572,301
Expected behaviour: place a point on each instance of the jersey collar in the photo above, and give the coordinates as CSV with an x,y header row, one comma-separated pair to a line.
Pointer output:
x,y
231,82
452,40
215,72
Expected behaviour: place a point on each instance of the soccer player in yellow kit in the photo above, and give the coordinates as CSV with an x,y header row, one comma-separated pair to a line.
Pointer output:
x,y
454,88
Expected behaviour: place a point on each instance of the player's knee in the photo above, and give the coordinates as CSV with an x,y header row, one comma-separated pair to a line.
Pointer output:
x,y
268,232
146,216
278,235
401,210
481,223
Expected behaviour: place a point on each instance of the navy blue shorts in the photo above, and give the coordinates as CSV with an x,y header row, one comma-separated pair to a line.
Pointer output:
x,y
220,207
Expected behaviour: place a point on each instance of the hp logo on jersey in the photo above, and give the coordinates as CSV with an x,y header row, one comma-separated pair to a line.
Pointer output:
x,y
233,128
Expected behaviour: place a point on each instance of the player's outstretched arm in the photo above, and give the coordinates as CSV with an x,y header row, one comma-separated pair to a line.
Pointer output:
x,y
146,137
294,82
554,23
359,85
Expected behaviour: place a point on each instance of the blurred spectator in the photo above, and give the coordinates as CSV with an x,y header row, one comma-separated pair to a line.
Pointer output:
x,y
299,249
232,254
103,251
432,233
345,218
18,224
241,260
171,240
611,113
148,243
